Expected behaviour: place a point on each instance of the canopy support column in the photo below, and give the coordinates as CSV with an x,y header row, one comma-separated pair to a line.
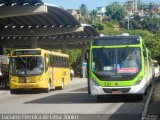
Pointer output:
x,y
1,47
83,62
64,48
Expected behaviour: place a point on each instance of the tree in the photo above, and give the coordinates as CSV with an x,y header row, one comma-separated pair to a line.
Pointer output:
x,y
84,14
93,13
151,24
115,11
74,54
83,10
128,5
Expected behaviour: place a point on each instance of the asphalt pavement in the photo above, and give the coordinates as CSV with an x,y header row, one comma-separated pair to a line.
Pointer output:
x,y
72,100
154,107
6,91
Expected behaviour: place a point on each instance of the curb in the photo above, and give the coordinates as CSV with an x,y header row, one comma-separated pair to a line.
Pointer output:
x,y
4,93
78,81
145,110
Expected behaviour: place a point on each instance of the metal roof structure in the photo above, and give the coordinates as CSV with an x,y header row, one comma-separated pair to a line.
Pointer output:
x,y
25,21
19,2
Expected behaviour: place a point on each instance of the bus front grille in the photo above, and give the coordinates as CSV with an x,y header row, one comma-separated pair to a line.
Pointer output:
x,y
123,90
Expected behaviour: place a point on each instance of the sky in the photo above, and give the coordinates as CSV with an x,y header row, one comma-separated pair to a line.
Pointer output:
x,y
91,4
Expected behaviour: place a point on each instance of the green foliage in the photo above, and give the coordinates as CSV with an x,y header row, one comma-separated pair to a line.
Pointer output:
x,y
7,51
115,12
74,57
151,24
98,26
110,24
128,5
83,10
106,28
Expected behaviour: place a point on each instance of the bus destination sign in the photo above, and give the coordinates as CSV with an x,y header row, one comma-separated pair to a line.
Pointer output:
x,y
27,52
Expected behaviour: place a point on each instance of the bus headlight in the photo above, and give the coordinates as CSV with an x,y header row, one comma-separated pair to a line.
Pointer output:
x,y
13,80
138,81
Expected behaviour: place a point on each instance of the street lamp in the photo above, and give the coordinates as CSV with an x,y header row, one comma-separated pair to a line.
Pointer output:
x,y
128,21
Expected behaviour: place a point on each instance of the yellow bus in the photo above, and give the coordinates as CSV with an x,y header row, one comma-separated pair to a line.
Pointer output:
x,y
38,69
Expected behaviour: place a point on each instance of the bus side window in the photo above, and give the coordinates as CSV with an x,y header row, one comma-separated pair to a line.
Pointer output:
x,y
63,62
50,60
60,61
67,62
55,61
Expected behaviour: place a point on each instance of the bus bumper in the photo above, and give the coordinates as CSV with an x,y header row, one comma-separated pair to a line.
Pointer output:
x,y
14,85
98,90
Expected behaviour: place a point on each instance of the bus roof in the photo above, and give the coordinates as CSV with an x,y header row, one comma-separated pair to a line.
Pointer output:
x,y
46,51
118,36
116,40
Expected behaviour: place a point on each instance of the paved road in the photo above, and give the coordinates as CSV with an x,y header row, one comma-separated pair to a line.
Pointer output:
x,y
154,106
72,100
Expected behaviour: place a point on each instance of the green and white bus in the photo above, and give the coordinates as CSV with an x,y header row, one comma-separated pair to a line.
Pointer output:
x,y
118,65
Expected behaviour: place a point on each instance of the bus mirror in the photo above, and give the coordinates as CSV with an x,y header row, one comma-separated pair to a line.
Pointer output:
x,y
87,55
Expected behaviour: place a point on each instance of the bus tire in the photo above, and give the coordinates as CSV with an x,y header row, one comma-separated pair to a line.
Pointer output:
x,y
100,98
48,89
60,87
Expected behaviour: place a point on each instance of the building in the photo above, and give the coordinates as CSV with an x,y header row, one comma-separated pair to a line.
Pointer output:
x,y
101,12
74,13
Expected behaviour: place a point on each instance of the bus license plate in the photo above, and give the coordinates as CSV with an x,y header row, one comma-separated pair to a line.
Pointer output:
x,y
116,92
26,86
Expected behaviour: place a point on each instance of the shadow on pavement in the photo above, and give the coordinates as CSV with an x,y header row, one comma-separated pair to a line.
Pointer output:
x,y
65,98
81,96
29,91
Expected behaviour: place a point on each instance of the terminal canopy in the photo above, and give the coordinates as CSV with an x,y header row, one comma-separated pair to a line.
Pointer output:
x,y
25,21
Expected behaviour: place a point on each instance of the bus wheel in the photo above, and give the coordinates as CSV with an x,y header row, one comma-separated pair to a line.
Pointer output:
x,y
47,90
12,91
60,87
100,98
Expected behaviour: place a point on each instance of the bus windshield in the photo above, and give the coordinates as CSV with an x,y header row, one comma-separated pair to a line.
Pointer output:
x,y
26,65
115,62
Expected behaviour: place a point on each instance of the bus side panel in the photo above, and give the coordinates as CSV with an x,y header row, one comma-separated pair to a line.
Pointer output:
x,y
66,76
48,76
